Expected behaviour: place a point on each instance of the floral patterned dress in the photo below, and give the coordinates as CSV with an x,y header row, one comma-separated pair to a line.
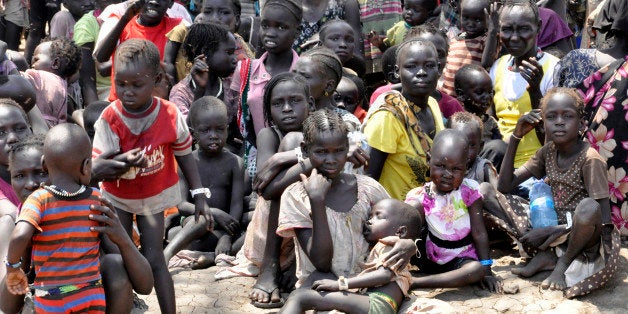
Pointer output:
x,y
335,10
447,218
606,109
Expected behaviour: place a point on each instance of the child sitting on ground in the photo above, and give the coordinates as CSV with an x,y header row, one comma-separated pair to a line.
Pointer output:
x,y
456,251
415,13
385,288
578,177
67,272
220,170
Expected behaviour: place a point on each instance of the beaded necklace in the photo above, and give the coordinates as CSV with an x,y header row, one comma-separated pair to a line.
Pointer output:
x,y
60,192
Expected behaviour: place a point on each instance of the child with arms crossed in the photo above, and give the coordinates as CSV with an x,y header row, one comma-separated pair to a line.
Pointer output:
x,y
157,131
452,208
385,287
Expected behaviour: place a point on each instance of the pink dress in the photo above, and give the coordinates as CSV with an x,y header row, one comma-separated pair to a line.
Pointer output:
x,y
447,218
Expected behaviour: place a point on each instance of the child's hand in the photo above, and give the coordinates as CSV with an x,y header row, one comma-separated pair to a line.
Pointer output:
x,y
401,253
532,72
541,238
202,209
375,39
316,186
358,157
226,222
326,285
492,283
134,158
200,72
109,222
527,123
492,17
134,7
17,282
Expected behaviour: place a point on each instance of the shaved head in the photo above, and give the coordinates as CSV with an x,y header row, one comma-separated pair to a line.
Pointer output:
x,y
66,147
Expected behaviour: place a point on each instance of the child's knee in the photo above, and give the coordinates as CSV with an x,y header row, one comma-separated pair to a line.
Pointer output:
x,y
588,211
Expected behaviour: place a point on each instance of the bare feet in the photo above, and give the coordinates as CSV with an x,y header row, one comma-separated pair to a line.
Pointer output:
x,y
204,261
556,280
545,260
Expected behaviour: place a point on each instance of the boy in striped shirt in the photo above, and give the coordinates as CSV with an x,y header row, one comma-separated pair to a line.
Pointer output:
x,y
55,221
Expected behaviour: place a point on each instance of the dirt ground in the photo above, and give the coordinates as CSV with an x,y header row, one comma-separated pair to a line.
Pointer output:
x,y
198,292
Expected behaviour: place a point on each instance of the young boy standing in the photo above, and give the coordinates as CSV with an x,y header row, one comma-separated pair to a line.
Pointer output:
x,y
150,133
68,276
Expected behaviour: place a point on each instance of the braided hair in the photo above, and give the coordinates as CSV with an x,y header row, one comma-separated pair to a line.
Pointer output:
x,y
412,41
465,117
65,49
139,51
323,120
332,67
276,80
292,6
204,39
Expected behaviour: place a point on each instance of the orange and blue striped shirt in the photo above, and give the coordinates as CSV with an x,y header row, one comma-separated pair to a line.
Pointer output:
x,y
65,251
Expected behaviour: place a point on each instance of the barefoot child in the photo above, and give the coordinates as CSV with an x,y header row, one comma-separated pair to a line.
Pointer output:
x,y
154,132
67,272
287,103
385,288
456,248
223,172
578,177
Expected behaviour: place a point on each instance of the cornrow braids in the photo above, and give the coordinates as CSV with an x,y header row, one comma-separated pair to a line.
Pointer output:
x,y
291,5
322,33
139,51
8,102
65,49
206,103
323,120
531,4
276,80
32,141
578,102
331,63
465,117
204,39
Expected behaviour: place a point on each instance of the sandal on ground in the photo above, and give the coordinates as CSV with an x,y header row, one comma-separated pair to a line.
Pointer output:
x,y
270,304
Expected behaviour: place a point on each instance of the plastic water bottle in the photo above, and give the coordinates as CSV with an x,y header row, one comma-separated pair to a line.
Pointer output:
x,y
542,212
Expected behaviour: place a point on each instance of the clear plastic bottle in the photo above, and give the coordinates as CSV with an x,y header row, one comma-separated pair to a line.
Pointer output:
x,y
542,212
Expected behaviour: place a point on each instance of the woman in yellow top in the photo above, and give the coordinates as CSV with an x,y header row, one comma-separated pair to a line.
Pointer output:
x,y
400,125
520,78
